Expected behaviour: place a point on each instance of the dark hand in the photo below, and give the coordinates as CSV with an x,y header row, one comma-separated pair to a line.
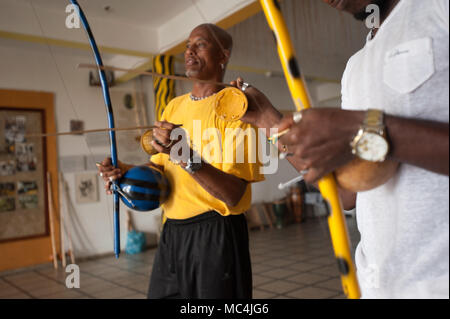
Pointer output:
x,y
161,136
109,173
321,140
259,107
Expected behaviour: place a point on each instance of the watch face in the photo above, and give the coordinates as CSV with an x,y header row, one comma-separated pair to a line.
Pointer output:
x,y
372,147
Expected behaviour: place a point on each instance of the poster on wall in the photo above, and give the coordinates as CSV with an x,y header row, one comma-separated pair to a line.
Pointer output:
x,y
27,194
22,172
14,131
7,167
25,157
86,188
7,201
7,204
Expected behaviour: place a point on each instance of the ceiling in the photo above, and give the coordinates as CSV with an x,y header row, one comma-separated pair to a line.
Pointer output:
x,y
320,33
134,30
136,12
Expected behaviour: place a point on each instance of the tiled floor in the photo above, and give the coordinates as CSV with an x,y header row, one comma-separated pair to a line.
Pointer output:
x,y
294,262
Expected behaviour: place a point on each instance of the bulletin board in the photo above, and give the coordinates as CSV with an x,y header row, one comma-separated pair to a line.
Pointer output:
x,y
24,163
23,204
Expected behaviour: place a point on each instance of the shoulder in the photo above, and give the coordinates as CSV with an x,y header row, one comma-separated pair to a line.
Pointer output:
x,y
173,105
441,8
178,100
429,12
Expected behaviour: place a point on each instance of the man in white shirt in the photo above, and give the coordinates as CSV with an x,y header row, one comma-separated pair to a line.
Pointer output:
x,y
398,82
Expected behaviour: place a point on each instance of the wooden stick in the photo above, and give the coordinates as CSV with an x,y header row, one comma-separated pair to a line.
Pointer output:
x,y
68,221
51,208
61,220
274,138
172,77
128,221
91,131
142,102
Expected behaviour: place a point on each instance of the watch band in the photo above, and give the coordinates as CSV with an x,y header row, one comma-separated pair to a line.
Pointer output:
x,y
374,120
192,166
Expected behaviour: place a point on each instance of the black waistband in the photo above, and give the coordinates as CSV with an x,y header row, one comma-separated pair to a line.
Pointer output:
x,y
210,215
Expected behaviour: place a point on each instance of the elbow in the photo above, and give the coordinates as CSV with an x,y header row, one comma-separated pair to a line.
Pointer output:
x,y
349,206
233,201
235,198
348,199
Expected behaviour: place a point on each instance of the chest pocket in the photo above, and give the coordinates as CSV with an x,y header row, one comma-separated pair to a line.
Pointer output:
x,y
409,65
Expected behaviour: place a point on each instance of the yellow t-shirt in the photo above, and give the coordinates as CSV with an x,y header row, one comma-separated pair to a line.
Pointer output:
x,y
224,145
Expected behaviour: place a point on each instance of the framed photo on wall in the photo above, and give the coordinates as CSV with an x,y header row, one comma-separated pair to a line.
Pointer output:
x,y
23,160
86,188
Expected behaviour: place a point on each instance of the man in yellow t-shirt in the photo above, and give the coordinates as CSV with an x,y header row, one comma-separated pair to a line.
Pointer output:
x,y
194,194
204,247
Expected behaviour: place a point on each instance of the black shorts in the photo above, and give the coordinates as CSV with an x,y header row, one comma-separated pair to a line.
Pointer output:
x,y
206,257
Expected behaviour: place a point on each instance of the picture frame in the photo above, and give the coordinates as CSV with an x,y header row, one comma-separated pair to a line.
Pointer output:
x,y
25,161
86,188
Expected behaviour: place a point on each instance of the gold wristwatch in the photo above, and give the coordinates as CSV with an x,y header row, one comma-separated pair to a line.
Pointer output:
x,y
370,142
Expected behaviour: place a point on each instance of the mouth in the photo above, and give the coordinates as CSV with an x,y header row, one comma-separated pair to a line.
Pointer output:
x,y
189,62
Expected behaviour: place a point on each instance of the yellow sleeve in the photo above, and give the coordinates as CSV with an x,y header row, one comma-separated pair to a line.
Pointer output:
x,y
240,151
159,159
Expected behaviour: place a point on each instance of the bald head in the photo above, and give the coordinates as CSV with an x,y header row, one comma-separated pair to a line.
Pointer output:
x,y
208,51
222,38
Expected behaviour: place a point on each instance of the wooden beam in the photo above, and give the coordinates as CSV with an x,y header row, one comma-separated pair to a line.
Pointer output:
x,y
146,66
71,44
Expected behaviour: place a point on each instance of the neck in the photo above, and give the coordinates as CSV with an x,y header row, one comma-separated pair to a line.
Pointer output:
x,y
203,90
390,5
386,11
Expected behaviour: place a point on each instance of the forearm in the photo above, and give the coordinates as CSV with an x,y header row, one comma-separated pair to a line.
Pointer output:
x,y
420,143
225,187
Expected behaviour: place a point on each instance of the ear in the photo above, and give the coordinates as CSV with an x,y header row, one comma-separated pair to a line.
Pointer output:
x,y
226,58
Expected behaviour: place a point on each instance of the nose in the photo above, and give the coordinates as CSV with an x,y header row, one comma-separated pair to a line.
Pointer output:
x,y
188,52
